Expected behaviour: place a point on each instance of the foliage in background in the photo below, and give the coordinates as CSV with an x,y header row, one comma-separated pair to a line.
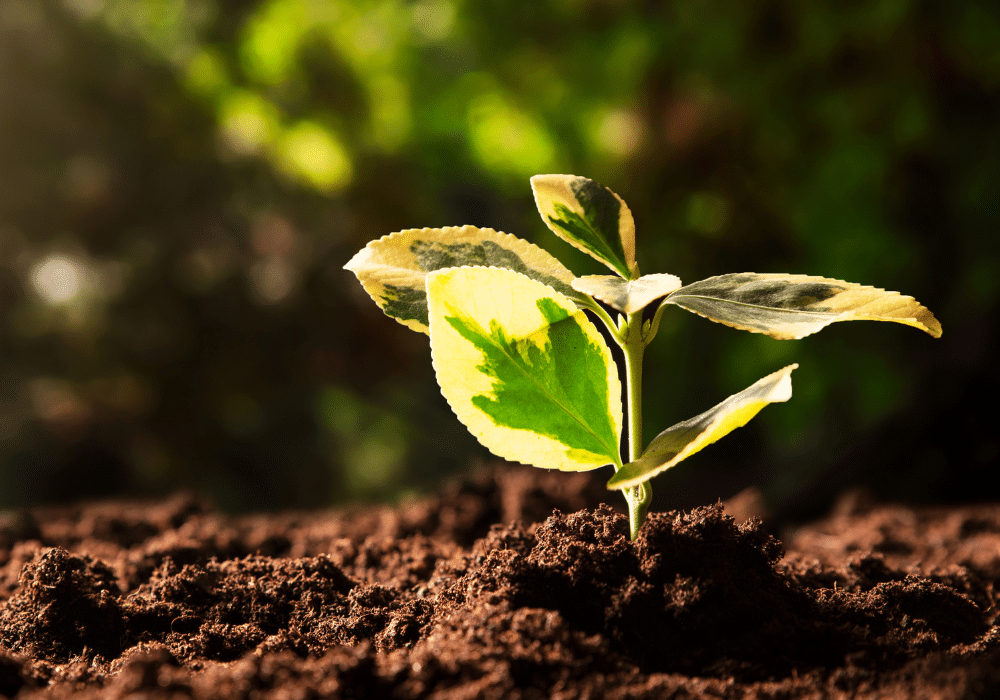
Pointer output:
x,y
181,180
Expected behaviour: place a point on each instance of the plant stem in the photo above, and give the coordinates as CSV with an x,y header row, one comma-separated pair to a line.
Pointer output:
x,y
634,347
629,335
605,319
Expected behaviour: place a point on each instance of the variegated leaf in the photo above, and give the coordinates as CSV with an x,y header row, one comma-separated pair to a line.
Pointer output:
x,y
524,369
627,296
590,217
680,441
393,268
794,306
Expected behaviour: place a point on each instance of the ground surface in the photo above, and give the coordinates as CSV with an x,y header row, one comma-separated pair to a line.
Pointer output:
x,y
172,600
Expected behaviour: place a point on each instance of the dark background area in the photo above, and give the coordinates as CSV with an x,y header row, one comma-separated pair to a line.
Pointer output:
x,y
181,182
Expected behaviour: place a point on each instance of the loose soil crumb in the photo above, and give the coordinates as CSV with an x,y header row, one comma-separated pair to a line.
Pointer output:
x,y
513,584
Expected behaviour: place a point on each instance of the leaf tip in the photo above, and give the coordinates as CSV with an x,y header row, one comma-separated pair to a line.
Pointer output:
x,y
783,391
356,260
542,181
932,326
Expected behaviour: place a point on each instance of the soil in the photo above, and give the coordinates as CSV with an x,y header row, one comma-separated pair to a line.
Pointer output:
x,y
486,591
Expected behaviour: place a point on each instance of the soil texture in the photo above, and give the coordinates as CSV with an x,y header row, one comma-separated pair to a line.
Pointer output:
x,y
516,583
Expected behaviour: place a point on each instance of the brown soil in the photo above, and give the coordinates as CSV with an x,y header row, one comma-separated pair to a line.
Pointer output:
x,y
434,600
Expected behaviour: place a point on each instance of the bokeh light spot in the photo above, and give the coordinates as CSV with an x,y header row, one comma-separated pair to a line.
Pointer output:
x,y
57,279
206,74
507,140
85,9
248,122
620,132
271,39
310,153
272,280
274,235
433,19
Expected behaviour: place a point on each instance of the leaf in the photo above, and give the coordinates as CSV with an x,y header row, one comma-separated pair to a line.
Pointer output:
x,y
794,306
627,296
393,269
524,369
590,217
680,441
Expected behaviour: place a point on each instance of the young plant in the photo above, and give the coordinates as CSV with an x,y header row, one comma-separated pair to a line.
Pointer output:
x,y
531,376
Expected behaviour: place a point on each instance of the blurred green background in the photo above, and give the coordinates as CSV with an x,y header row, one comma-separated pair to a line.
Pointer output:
x,y
181,182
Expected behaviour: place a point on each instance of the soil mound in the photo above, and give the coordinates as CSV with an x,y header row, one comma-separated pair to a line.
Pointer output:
x,y
431,600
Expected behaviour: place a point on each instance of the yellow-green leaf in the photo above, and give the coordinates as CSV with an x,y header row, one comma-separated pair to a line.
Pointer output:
x,y
627,296
680,441
590,217
393,268
524,369
794,306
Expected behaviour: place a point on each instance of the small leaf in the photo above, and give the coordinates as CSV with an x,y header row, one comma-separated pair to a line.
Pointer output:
x,y
393,269
627,296
794,306
590,217
524,369
680,441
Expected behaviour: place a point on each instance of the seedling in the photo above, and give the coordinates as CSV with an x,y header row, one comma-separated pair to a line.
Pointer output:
x,y
526,370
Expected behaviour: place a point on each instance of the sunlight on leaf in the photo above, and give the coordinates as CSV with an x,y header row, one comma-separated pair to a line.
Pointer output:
x,y
393,269
794,306
627,296
590,217
680,441
524,369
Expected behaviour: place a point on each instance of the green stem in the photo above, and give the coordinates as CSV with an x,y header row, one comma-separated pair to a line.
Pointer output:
x,y
605,319
634,347
628,333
